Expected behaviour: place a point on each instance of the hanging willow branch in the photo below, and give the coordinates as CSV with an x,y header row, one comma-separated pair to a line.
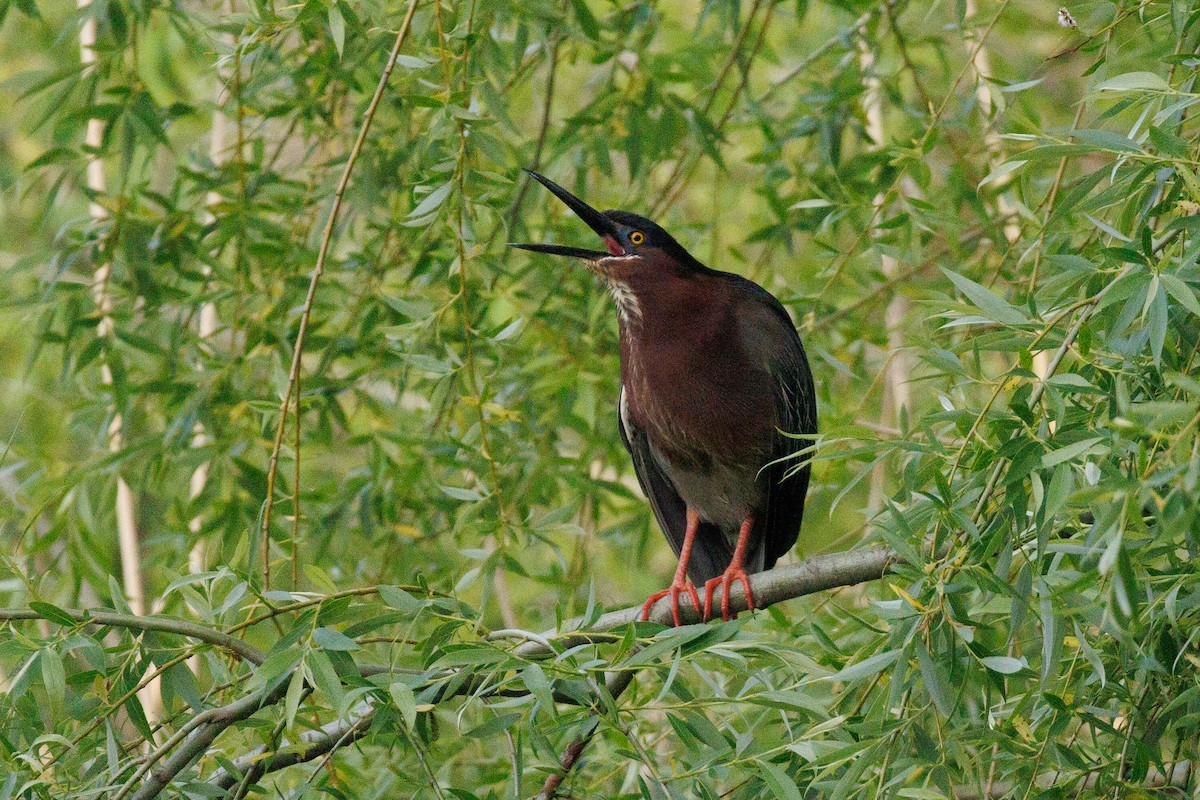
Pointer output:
x,y
314,280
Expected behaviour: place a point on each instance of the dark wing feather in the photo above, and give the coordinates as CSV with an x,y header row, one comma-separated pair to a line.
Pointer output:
x,y
796,412
711,552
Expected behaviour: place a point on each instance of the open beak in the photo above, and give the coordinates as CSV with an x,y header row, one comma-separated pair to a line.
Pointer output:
x,y
602,225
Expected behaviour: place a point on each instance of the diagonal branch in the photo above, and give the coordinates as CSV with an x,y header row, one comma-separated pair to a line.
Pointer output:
x,y
321,741
216,721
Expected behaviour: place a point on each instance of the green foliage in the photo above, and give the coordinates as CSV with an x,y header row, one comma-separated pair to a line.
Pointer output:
x,y
454,460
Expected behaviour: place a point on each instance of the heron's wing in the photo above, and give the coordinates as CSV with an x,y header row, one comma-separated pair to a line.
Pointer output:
x,y
787,480
711,553
772,336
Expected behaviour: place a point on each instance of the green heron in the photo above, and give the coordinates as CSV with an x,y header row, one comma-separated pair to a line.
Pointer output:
x,y
712,376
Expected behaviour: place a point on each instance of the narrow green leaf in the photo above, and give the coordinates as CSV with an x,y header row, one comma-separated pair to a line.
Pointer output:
x,y
330,639
535,680
401,600
53,613
991,304
459,493
1056,457
865,668
54,677
587,22
1001,172
1134,81
337,28
779,782
411,62
324,676
493,726
1005,665
295,694
1013,88
432,200
816,202
1182,293
935,684
1107,140
402,696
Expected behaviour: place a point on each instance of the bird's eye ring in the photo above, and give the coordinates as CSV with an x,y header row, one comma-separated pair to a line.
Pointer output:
x,y
637,237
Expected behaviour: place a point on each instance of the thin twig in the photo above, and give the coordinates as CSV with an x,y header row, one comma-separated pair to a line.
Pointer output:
x,y
671,195
841,36
919,146
318,270
669,185
474,385
543,129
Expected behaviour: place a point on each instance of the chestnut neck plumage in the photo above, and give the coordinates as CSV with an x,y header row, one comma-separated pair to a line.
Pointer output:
x,y
683,341
655,280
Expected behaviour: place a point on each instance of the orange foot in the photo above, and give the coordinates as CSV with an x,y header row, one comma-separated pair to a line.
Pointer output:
x,y
726,581
677,588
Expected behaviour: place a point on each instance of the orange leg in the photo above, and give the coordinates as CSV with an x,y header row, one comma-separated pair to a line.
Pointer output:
x,y
680,584
734,572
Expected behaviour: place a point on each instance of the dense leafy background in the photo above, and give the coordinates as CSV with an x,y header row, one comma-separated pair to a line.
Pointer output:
x,y
457,416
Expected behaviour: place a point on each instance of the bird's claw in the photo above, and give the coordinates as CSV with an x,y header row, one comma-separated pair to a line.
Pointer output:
x,y
674,591
726,581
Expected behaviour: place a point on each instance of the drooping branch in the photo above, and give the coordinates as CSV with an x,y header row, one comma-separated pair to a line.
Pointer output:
x,y
319,270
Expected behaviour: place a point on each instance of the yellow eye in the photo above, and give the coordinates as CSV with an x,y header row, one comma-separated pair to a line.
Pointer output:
x,y
637,237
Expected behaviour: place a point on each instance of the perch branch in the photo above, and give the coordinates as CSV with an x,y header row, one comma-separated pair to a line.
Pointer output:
x,y
810,576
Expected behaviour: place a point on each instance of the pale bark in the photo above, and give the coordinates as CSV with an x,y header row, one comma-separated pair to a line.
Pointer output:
x,y
126,508
1005,205
207,324
897,366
